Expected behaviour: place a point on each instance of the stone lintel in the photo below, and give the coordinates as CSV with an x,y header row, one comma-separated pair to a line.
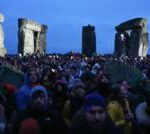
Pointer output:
x,y
132,24
29,24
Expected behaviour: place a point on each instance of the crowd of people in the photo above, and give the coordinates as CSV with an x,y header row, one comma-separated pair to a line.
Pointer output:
x,y
72,94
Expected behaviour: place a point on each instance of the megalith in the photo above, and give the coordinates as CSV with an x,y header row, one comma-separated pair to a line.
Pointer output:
x,y
88,40
2,48
132,38
32,37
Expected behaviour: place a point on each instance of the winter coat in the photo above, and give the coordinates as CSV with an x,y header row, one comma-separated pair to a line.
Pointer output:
x,y
115,110
81,126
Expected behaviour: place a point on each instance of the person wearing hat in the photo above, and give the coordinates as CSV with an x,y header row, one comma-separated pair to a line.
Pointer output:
x,y
38,109
93,117
59,94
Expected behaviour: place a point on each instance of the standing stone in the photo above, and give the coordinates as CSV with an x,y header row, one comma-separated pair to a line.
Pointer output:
x,y
139,38
137,44
135,37
121,44
42,41
145,44
32,37
2,49
88,40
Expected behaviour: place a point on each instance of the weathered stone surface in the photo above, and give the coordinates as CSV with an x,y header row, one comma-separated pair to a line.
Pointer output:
x,y
121,44
28,41
132,24
1,37
2,49
88,40
145,44
137,42
32,37
1,18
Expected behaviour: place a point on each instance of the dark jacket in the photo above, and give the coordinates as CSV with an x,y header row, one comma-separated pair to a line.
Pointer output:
x,y
81,126
49,121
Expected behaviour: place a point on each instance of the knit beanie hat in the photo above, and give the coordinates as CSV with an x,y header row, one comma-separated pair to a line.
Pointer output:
x,y
29,126
94,99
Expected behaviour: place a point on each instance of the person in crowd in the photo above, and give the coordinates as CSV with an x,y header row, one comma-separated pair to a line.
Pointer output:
x,y
95,68
9,91
46,79
130,93
142,114
74,102
103,87
119,109
88,78
93,117
68,78
38,109
31,79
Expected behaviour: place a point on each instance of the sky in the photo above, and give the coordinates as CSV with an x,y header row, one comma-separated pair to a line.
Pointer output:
x,y
65,19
